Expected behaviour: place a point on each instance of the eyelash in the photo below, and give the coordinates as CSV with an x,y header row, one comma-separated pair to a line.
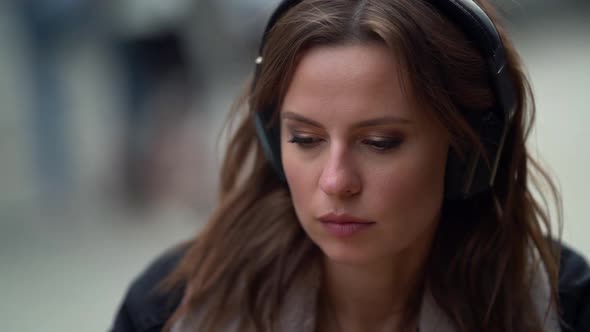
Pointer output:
x,y
381,145
305,142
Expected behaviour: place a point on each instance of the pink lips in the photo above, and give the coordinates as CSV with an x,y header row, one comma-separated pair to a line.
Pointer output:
x,y
344,225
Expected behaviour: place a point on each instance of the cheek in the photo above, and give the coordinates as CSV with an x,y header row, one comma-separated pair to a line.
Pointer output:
x,y
299,178
412,193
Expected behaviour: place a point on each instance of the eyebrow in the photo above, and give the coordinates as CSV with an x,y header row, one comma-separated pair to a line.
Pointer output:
x,y
365,123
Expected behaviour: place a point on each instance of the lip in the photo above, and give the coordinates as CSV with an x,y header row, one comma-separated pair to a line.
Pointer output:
x,y
343,219
344,225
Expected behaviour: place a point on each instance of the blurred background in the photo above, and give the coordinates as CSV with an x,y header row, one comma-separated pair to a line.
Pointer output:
x,y
109,125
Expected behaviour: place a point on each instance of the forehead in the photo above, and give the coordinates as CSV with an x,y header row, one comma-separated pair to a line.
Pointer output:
x,y
356,80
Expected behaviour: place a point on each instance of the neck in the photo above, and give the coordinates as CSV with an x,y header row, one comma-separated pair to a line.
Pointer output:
x,y
373,296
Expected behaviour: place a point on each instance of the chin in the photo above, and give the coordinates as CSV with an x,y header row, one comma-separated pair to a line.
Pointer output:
x,y
348,253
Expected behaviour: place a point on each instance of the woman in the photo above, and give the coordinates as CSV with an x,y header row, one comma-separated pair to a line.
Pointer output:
x,y
377,181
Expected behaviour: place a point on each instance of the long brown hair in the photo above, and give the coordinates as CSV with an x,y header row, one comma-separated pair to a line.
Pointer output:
x,y
479,268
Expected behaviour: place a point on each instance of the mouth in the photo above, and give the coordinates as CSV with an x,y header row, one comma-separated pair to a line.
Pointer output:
x,y
344,225
343,219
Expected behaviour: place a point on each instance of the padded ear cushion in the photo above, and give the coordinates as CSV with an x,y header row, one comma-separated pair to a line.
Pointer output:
x,y
270,141
455,175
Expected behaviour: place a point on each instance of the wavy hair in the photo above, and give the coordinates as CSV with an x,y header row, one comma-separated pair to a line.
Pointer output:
x,y
479,267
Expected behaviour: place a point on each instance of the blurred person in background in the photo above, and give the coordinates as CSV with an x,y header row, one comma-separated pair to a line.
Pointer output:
x,y
162,81
49,25
378,180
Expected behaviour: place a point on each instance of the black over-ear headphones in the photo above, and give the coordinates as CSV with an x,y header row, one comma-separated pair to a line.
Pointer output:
x,y
465,177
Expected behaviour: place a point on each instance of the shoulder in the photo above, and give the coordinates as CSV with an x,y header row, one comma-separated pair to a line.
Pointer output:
x,y
574,290
144,309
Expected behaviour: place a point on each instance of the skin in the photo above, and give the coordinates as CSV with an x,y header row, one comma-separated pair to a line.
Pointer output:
x,y
354,142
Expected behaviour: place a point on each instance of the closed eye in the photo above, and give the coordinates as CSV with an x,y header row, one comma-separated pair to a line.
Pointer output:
x,y
304,141
383,144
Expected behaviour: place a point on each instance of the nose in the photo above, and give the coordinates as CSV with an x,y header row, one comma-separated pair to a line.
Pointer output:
x,y
339,177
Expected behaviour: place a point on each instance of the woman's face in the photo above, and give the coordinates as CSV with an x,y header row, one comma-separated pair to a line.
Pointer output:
x,y
365,166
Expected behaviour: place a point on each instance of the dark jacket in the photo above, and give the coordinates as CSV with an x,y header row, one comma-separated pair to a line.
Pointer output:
x,y
143,310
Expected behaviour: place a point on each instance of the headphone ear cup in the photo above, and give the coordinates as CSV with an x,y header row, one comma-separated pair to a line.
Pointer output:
x,y
270,141
466,177
474,174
